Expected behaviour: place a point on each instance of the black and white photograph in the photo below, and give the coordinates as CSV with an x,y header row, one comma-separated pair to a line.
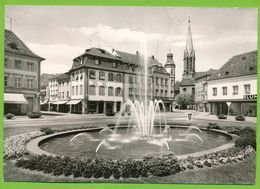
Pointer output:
x,y
121,94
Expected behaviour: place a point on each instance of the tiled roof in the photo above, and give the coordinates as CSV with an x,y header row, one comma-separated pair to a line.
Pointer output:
x,y
45,79
128,57
64,76
99,53
239,65
187,82
15,45
204,74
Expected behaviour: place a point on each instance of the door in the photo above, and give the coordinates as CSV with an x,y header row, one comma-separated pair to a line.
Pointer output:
x,y
101,107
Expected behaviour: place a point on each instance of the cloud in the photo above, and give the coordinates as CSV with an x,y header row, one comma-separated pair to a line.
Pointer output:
x,y
58,56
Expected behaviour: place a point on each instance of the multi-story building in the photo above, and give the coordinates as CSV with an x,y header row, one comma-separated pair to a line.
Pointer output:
x,y
201,90
21,76
232,90
188,83
100,81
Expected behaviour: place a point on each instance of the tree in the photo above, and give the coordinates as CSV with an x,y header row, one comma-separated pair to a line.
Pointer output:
x,y
185,100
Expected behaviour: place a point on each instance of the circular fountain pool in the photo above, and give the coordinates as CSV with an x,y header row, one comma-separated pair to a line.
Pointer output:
x,y
85,145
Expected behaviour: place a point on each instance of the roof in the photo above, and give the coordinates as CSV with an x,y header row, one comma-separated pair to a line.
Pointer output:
x,y
15,45
239,65
64,76
45,79
199,75
98,52
128,57
187,82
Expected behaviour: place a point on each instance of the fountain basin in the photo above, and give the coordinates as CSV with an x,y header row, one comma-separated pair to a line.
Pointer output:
x,y
59,144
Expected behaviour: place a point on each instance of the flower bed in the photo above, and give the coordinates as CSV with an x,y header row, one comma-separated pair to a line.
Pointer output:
x,y
159,164
15,147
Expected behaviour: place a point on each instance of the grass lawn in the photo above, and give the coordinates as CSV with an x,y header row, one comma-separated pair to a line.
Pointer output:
x,y
239,173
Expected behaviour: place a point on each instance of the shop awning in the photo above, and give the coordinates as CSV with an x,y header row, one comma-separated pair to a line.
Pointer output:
x,y
74,102
13,98
44,102
61,102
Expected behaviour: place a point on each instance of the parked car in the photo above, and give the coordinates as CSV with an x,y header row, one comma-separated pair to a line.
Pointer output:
x,y
240,118
9,116
222,116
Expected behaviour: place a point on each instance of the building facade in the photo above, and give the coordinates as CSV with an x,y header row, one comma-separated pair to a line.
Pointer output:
x,y
232,90
201,90
21,76
101,82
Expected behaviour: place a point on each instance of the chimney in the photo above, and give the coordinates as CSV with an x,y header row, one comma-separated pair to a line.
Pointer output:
x,y
153,57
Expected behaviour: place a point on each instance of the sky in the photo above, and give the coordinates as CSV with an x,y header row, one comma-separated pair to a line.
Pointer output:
x,y
59,34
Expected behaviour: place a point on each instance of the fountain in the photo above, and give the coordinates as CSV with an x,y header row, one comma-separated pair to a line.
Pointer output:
x,y
141,125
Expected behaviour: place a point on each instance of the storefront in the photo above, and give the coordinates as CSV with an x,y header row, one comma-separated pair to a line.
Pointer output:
x,y
15,103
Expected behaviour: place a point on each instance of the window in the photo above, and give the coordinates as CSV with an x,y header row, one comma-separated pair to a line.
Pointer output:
x,y
101,75
161,81
18,64
161,92
157,81
77,90
73,90
166,82
17,82
130,91
172,94
204,87
101,90
80,90
30,66
166,93
92,89
110,91
68,94
6,62
110,76
118,77
97,62
235,90
59,96
30,83
184,89
81,76
171,71
92,74
247,89
62,95
215,92
224,89
114,64
156,92
130,79
118,91
172,83
6,80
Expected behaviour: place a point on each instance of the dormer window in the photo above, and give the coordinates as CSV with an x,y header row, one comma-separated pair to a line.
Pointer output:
x,y
97,62
227,72
13,46
114,64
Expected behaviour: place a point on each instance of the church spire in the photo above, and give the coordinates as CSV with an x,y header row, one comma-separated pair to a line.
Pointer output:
x,y
189,43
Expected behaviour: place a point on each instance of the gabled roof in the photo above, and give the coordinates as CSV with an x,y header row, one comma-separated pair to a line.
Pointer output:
x,y
239,65
199,75
64,76
128,57
187,82
15,45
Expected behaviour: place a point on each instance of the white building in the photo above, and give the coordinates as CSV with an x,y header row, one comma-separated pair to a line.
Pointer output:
x,y
232,90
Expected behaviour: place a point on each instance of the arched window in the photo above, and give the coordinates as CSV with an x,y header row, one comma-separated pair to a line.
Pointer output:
x,y
110,76
110,91
101,75
92,74
118,78
118,91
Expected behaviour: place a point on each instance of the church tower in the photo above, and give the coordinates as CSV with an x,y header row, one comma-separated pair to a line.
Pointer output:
x,y
189,57
170,68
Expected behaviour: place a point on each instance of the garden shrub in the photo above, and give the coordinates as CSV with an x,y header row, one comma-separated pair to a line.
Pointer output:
x,y
240,118
9,116
247,137
213,126
47,130
34,114
222,116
